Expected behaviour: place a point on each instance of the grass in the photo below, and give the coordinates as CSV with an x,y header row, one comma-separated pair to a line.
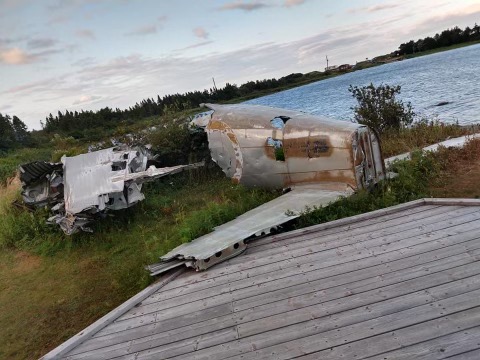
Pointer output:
x,y
459,172
420,135
9,162
52,286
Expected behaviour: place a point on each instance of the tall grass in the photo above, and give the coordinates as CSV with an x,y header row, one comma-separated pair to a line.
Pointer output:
x,y
9,162
419,135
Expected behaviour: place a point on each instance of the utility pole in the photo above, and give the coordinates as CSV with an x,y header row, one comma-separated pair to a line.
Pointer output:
x,y
214,85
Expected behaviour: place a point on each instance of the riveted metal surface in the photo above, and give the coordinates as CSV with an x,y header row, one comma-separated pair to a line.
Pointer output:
x,y
254,148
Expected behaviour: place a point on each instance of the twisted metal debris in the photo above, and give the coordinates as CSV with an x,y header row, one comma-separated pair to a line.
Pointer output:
x,y
82,188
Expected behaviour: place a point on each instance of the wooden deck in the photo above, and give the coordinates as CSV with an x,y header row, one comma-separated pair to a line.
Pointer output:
x,y
400,283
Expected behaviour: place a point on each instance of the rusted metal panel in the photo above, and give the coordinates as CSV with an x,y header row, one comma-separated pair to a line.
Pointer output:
x,y
278,148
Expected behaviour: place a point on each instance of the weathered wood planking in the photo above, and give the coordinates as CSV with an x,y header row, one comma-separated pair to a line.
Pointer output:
x,y
402,282
428,260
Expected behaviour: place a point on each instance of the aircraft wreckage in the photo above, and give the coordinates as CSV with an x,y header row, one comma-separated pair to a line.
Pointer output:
x,y
82,188
314,159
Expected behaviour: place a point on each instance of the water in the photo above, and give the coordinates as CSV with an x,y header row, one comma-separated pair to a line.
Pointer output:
x,y
452,76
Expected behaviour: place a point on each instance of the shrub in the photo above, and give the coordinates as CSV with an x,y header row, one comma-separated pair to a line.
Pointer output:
x,y
175,144
379,109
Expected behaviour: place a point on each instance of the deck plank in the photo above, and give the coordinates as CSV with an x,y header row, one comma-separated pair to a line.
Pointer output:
x,y
328,307
459,312
443,347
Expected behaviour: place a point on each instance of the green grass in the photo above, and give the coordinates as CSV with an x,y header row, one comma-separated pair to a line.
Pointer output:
x,y
9,162
52,285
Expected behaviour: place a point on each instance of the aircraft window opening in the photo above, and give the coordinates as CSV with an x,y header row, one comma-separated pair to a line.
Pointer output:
x,y
277,147
279,122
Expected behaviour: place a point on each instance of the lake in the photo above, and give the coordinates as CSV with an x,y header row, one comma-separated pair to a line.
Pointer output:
x,y
452,76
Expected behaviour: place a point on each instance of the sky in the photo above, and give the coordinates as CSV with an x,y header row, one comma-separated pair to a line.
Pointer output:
x,y
88,54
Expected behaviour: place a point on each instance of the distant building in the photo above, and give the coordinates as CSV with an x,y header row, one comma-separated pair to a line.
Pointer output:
x,y
335,68
344,67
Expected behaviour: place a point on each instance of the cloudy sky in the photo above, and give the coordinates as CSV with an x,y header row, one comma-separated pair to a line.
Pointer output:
x,y
87,54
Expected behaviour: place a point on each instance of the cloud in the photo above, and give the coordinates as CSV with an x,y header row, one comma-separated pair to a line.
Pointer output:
x,y
7,41
200,32
373,9
85,33
245,6
162,19
439,22
41,43
290,3
143,30
16,56
4,108
86,61
203,43
86,99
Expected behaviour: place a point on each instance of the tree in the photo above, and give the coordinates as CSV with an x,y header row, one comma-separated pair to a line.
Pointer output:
x,y
7,134
21,133
379,109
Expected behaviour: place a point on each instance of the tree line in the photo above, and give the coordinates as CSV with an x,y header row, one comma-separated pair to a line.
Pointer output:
x,y
446,38
86,124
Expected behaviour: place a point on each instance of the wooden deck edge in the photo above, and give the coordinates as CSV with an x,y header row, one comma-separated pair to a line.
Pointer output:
x,y
376,213
452,201
98,325
350,220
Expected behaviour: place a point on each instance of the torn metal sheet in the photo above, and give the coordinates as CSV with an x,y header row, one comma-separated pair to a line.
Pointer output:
x,y
90,184
228,240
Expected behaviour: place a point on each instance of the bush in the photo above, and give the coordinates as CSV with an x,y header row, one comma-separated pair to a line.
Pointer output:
x,y
175,144
379,109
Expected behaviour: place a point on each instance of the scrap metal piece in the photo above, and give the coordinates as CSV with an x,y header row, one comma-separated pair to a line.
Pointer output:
x,y
457,142
229,240
86,186
42,182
